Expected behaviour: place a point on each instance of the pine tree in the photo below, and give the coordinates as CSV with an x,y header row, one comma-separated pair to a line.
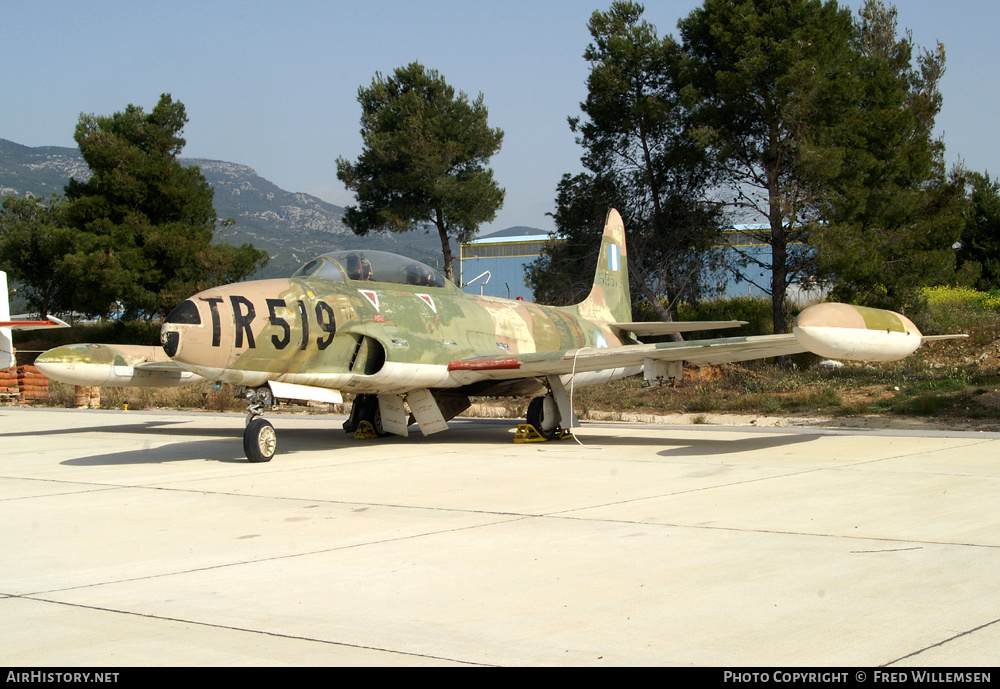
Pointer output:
x,y
424,161
144,221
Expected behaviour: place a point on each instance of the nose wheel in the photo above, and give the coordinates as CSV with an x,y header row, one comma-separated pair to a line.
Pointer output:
x,y
259,440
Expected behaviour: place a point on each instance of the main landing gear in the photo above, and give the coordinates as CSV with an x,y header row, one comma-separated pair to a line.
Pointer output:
x,y
543,422
543,416
260,441
365,421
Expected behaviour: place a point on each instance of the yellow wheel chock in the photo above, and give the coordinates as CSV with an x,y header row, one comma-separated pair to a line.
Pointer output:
x,y
526,433
365,431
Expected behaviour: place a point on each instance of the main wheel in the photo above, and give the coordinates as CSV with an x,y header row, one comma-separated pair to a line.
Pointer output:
x,y
542,415
259,440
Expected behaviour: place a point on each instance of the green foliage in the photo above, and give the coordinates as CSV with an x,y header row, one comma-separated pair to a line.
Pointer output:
x,y
891,213
558,276
754,310
640,161
144,222
424,160
979,254
961,298
944,310
116,332
766,79
33,244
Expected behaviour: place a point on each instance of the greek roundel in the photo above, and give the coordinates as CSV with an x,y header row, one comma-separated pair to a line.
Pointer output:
x,y
614,256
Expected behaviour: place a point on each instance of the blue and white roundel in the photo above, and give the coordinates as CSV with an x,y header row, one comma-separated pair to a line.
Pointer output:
x,y
614,257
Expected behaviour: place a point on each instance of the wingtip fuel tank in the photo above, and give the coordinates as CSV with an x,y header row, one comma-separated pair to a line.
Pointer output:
x,y
112,366
856,333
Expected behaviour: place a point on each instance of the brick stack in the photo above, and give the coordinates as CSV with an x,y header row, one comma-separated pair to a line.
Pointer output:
x,y
87,397
8,384
33,385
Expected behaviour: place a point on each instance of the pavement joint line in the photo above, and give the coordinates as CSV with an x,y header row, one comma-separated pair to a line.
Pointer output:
x,y
519,516
262,632
271,558
943,642
777,532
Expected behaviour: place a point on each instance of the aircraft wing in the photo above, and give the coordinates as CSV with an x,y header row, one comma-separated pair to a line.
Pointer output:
x,y
700,352
836,331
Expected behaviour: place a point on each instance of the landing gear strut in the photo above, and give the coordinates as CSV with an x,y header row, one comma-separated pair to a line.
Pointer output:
x,y
259,437
366,417
547,414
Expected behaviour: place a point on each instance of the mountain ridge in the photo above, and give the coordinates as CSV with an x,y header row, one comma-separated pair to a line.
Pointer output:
x,y
293,227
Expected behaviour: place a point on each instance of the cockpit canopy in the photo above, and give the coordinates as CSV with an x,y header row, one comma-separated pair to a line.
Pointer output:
x,y
370,266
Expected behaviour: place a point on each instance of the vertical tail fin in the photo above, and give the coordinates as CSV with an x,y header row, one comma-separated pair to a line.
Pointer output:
x,y
609,299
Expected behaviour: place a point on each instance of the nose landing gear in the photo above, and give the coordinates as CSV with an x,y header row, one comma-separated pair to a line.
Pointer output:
x,y
260,440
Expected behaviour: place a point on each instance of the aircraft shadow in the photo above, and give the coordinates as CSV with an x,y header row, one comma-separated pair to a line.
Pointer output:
x,y
144,428
226,446
724,447
222,450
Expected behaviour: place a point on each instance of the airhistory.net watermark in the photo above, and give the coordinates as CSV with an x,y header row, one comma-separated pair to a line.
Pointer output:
x,y
46,676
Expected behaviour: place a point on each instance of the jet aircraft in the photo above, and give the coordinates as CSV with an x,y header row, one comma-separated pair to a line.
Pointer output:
x,y
412,347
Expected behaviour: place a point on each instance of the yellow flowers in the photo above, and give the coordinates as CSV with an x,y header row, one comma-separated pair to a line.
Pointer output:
x,y
962,297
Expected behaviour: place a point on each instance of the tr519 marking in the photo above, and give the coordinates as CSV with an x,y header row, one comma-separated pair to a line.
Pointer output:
x,y
244,315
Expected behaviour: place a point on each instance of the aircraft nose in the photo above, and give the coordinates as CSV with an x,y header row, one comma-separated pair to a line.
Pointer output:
x,y
186,313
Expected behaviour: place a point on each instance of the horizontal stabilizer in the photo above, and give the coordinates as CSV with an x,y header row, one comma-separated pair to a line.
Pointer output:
x,y
651,328
935,338
18,323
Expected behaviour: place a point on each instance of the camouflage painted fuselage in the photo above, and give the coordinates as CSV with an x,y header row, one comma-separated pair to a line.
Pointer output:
x,y
367,336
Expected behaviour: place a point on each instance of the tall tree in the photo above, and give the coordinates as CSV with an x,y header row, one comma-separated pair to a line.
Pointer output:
x,y
979,250
639,158
765,79
33,244
145,222
892,212
424,161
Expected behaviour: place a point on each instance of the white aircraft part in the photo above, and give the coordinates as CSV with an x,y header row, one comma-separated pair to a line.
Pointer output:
x,y
6,344
393,378
308,393
6,349
113,366
656,371
426,412
584,378
563,404
108,375
856,344
394,414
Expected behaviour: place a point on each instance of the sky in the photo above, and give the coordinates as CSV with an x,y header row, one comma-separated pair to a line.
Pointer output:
x,y
274,85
